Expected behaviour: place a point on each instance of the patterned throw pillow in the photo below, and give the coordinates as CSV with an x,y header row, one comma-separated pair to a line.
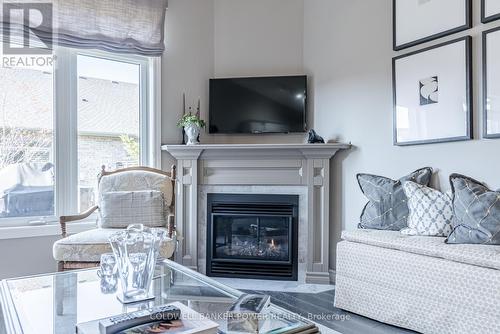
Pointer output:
x,y
431,211
387,208
476,212
119,209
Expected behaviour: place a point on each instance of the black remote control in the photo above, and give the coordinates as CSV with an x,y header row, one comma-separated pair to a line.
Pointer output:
x,y
121,322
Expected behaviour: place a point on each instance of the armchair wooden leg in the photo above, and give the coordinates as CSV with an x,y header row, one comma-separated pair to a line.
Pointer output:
x,y
60,266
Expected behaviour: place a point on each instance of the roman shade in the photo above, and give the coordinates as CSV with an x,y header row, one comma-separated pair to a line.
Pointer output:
x,y
123,26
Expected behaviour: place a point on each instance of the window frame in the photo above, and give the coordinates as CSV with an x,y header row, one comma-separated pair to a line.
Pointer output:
x,y
65,135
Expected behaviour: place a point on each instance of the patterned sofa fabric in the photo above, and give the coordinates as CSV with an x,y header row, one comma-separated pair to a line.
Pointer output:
x,y
476,212
476,255
387,208
89,245
426,294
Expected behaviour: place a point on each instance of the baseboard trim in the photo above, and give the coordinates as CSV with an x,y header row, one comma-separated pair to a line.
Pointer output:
x,y
317,277
332,273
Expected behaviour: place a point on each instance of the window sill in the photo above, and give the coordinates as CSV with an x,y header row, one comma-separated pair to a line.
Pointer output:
x,y
17,232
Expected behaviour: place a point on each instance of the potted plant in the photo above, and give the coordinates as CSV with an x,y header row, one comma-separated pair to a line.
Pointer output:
x,y
192,125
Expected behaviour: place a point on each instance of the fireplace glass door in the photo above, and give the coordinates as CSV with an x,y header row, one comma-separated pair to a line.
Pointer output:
x,y
252,237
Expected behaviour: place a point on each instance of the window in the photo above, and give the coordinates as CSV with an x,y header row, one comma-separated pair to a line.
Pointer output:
x,y
108,120
26,140
58,127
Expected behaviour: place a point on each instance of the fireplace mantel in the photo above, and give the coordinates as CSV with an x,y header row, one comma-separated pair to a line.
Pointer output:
x,y
250,151
256,168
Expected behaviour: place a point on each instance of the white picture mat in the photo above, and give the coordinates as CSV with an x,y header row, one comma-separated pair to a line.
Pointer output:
x,y
417,19
491,7
449,117
493,83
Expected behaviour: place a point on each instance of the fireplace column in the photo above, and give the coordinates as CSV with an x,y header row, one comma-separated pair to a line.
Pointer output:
x,y
186,210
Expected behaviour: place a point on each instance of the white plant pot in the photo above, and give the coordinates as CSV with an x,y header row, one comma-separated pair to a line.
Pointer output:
x,y
192,133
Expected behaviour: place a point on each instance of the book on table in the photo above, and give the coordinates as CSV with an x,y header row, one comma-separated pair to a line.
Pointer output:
x,y
189,322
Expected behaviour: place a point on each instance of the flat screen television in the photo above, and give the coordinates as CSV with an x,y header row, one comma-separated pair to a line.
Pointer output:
x,y
258,105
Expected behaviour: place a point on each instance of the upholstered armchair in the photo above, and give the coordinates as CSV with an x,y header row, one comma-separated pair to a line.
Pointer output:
x,y
126,196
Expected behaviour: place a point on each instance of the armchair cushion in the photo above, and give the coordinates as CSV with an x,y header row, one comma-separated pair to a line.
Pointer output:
x,y
89,245
136,181
122,208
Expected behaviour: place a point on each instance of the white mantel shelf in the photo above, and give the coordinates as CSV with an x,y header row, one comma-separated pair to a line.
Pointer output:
x,y
229,150
258,168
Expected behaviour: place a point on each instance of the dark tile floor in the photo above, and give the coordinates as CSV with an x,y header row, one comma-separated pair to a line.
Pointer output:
x,y
314,305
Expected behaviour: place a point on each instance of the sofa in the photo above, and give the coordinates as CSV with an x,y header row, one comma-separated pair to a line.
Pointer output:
x,y
419,282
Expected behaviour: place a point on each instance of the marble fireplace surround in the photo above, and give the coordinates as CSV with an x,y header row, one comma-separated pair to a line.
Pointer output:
x,y
294,169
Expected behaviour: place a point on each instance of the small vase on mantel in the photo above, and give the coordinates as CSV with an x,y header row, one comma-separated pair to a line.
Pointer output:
x,y
192,125
192,132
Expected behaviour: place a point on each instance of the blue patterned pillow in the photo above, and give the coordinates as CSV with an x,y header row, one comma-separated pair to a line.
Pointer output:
x,y
476,211
388,208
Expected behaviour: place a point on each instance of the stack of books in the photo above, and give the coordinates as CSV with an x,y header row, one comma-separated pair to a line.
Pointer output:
x,y
189,322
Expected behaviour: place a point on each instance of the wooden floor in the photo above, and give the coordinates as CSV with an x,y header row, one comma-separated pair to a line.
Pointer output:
x,y
314,305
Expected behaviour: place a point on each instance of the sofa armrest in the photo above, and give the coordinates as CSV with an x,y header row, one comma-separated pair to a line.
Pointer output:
x,y
67,219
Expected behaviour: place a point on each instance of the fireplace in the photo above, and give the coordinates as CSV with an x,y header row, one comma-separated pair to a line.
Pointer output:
x,y
252,236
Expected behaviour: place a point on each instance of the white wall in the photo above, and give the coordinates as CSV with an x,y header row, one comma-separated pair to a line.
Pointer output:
x,y
187,64
258,37
26,256
225,38
348,52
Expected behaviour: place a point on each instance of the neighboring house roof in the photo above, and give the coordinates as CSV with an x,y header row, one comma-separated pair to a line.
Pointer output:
x,y
104,107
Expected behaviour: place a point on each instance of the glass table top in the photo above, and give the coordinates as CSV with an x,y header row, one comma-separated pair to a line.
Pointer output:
x,y
55,303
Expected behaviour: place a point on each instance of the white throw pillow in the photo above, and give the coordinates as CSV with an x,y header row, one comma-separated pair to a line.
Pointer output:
x,y
431,211
118,209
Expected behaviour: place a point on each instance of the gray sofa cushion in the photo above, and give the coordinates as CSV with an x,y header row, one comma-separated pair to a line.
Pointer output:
x,y
476,209
387,208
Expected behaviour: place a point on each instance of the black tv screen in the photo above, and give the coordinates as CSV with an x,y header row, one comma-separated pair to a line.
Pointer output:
x,y
258,105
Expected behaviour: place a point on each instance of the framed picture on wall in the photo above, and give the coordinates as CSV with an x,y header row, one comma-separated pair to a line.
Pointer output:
x,y
420,21
491,83
433,94
490,10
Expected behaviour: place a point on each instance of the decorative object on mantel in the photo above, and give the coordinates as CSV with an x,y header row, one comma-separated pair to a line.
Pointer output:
x,y
433,94
490,10
183,113
192,125
314,138
444,17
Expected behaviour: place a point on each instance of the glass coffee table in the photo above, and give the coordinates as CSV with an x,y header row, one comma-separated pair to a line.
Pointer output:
x,y
55,303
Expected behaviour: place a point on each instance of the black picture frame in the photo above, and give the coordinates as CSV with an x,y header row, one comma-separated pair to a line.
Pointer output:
x,y
484,18
465,26
485,85
469,94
